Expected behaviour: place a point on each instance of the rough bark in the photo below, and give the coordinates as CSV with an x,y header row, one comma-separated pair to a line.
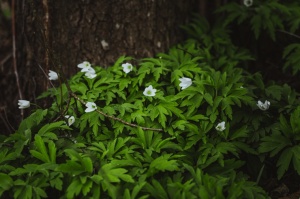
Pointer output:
x,y
101,31
65,33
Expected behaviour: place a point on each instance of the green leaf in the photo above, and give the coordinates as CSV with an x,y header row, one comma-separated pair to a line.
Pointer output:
x,y
40,192
52,151
163,163
117,147
274,91
74,188
120,60
156,190
56,180
137,188
6,182
41,153
71,167
86,188
87,164
97,179
112,174
273,144
294,120
124,83
50,127
208,99
162,111
144,139
239,133
171,106
284,162
180,124
34,119
296,158
138,116
5,156
256,22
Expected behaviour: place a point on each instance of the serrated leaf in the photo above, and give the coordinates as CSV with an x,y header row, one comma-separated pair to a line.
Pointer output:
x,y
296,158
86,188
50,127
5,156
124,83
40,192
56,180
138,116
71,167
180,124
273,144
163,163
34,119
41,153
87,164
283,162
256,22
97,179
208,99
113,174
156,189
52,151
74,188
294,120
6,182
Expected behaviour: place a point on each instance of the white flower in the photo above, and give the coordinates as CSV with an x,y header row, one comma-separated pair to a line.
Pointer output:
x,y
263,106
23,104
149,91
90,70
248,3
185,82
221,126
127,67
71,119
91,106
90,75
85,66
52,75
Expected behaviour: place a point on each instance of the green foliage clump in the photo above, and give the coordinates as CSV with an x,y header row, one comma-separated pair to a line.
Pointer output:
x,y
161,146
165,146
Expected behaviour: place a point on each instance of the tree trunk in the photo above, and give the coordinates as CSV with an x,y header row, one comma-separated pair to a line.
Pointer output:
x,y
65,33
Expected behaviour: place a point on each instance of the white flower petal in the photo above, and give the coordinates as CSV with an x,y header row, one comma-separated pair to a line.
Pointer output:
x,y
84,64
263,106
23,104
71,119
90,75
149,91
127,67
221,126
91,106
91,70
53,75
185,82
248,3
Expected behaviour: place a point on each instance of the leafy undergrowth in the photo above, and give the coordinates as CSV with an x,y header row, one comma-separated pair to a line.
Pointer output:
x,y
190,123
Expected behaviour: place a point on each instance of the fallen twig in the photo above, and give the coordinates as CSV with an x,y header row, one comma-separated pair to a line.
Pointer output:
x,y
13,23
